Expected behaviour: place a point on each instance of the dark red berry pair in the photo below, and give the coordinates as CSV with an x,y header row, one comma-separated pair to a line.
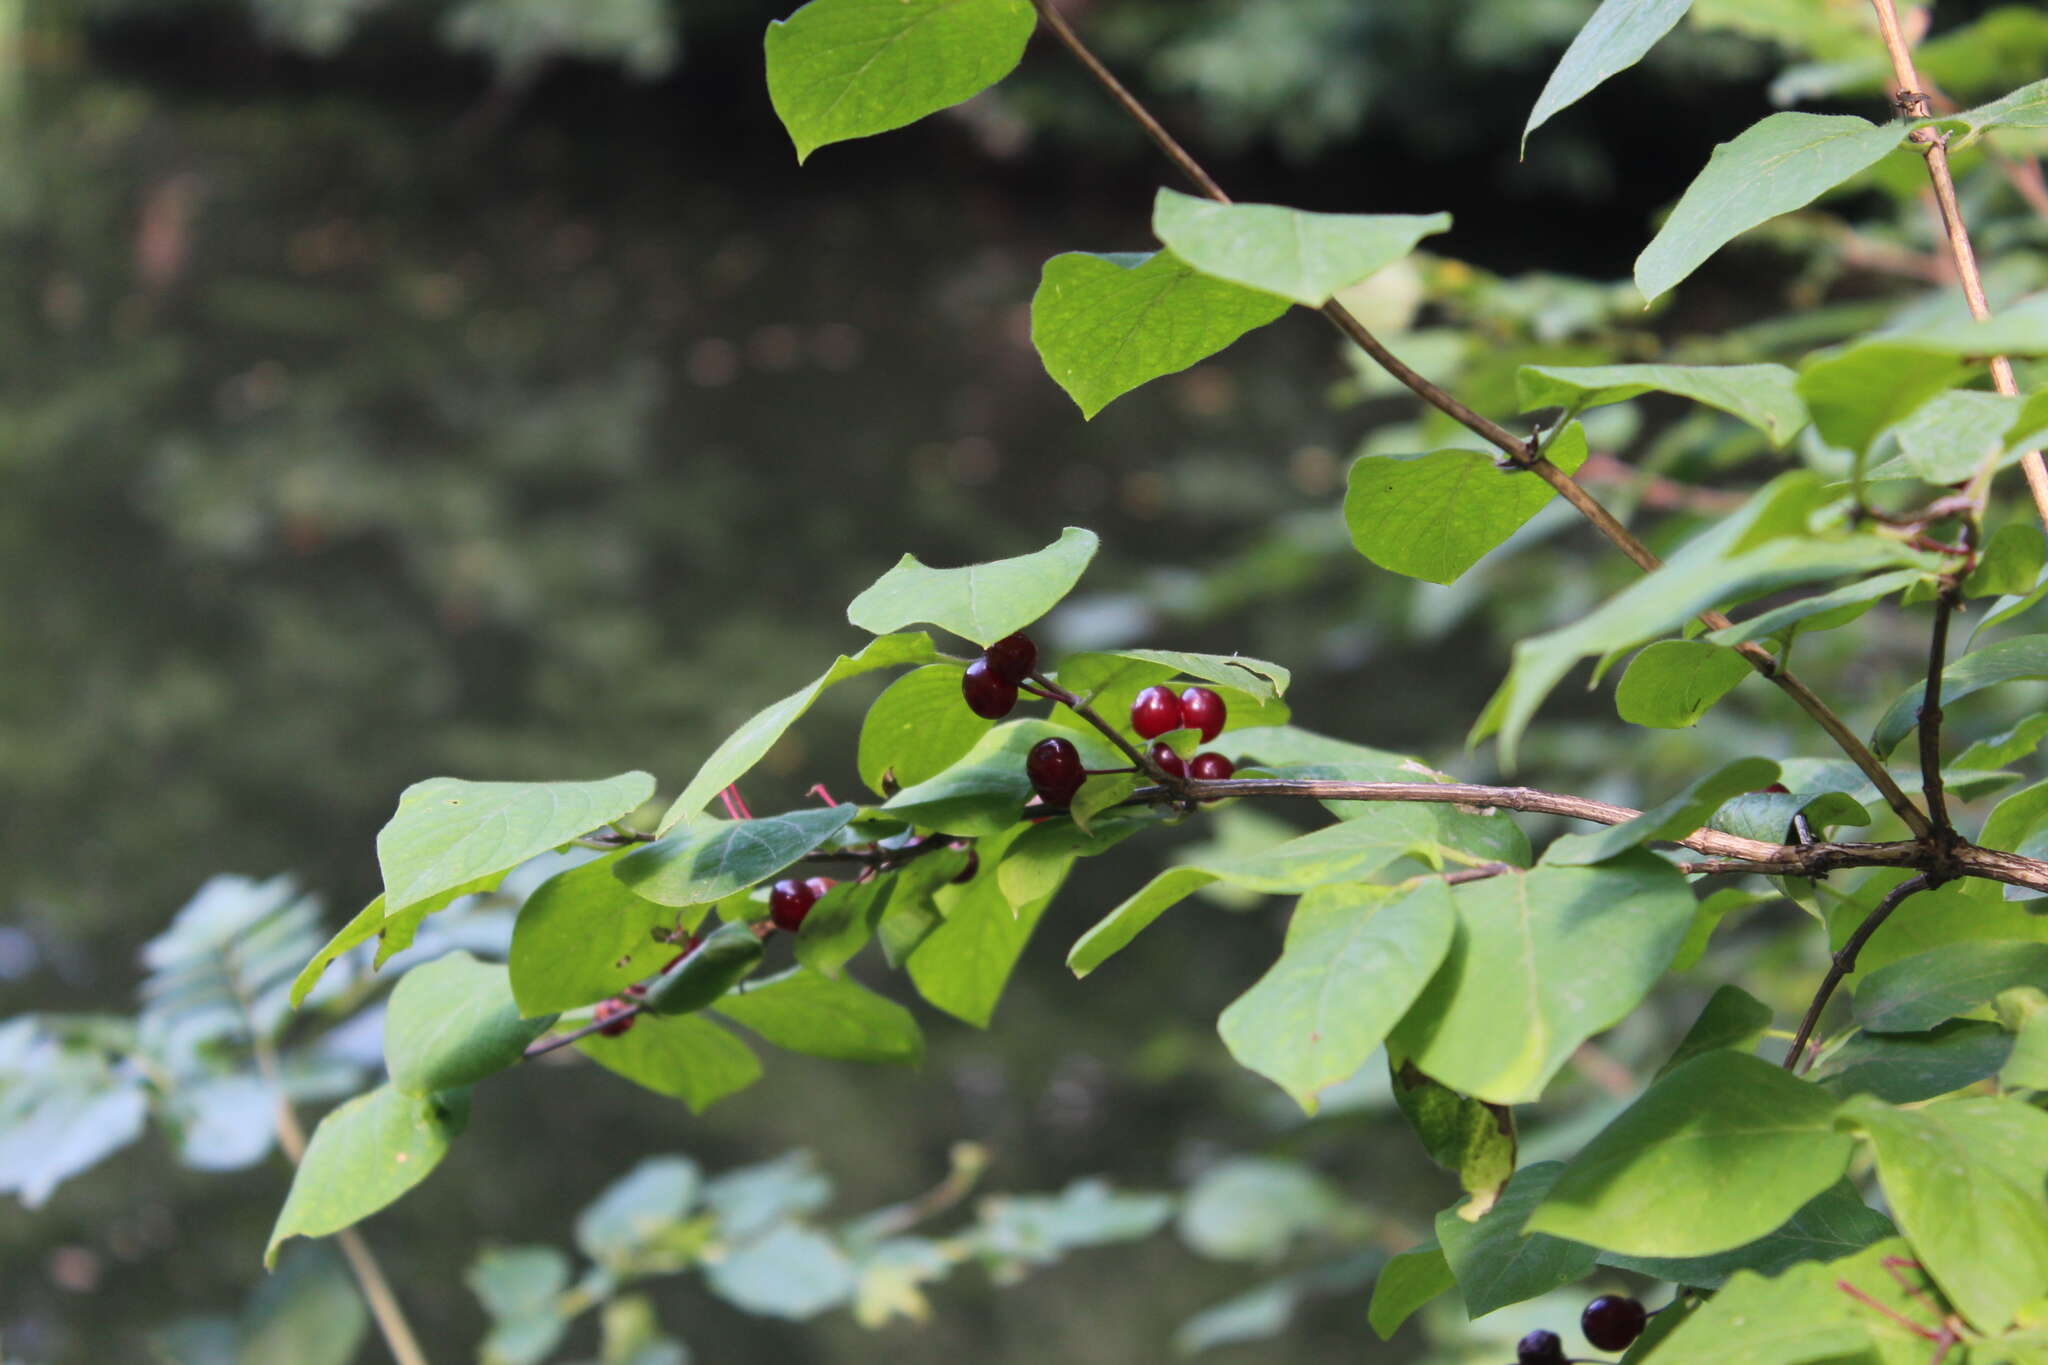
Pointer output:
x,y
789,900
1202,767
1054,767
1612,1322
1156,710
990,682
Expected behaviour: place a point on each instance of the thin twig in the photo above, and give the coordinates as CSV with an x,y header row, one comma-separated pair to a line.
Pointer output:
x,y
1930,716
1080,707
1521,453
1845,961
561,1040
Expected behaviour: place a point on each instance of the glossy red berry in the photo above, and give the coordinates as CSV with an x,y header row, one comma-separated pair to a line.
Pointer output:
x,y
1612,1322
818,886
608,1012
1054,767
1167,761
1210,767
1012,658
988,696
1201,709
1540,1347
789,900
1155,711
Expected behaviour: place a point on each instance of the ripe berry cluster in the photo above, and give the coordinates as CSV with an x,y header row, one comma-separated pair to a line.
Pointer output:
x,y
990,682
1611,1322
789,900
1157,710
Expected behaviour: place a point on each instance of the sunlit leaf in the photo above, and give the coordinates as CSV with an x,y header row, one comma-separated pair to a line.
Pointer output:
x,y
1306,257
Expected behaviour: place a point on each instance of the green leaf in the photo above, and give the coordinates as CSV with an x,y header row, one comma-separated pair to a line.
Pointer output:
x,y
1732,1020
725,958
309,1313
1834,1223
1963,1178
1513,999
1040,1229
1861,594
747,745
806,1011
1100,794
1716,1154
582,935
1496,1262
840,69
984,793
63,1107
2014,825
363,1156
634,1210
1103,325
452,1022
2009,747
520,1288
1472,1139
917,729
1783,163
2023,657
712,859
1915,994
358,931
1765,396
448,833
841,924
687,1057
1434,516
1672,818
2010,563
1092,675
1904,1068
1306,257
1306,1025
964,964
1670,685
1407,1282
791,1272
1252,1208
1947,914
979,602
2026,1067
1794,1318
1948,437
1614,39
2026,107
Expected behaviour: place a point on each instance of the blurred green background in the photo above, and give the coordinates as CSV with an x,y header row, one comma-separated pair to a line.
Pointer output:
x,y
478,387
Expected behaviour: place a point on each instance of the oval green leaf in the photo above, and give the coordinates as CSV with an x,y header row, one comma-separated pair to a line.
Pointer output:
x,y
452,1022
1306,257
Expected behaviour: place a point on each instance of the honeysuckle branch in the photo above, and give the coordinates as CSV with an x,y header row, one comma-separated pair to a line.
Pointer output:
x,y
1080,707
1930,715
1521,453
555,1041
1913,101
1844,961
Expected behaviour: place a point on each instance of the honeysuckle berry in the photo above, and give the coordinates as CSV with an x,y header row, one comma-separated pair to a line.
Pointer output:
x,y
1210,767
608,1012
1201,709
1540,1347
1167,761
1155,711
789,900
988,696
1612,1322
1012,658
1054,767
818,886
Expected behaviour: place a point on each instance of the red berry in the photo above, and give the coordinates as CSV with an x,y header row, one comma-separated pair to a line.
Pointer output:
x,y
1540,1347
988,696
818,886
1155,711
1612,1322
1201,709
1167,761
607,1014
1012,658
789,900
1054,767
1210,768
1776,789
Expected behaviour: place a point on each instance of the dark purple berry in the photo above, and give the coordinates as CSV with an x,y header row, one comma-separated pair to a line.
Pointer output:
x,y
988,696
1613,1321
1054,767
1210,768
1167,761
1540,1347
1201,709
1155,711
607,1014
1012,658
789,900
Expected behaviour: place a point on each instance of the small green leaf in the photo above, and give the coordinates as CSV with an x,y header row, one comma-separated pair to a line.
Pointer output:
x,y
616,1227
1733,1020
1614,39
1915,994
583,935
1514,998
448,833
1859,596
791,1272
1672,818
2026,1067
687,1057
1406,1283
841,924
1103,325
1783,163
1495,1261
1765,396
984,793
1670,685
309,1313
980,602
840,69
1712,1156
1948,437
1797,1317
363,1156
806,1011
1306,257
917,729
2026,107
350,936
2010,747
1834,1223
1253,1208
1472,1139
1434,516
1306,1025
1100,794
1905,1068
712,859
725,958
2024,657
965,963
2010,563
452,1022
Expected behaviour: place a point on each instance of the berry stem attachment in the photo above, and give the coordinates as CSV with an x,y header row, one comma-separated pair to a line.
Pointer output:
x,y
555,1041
1141,762
1845,962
